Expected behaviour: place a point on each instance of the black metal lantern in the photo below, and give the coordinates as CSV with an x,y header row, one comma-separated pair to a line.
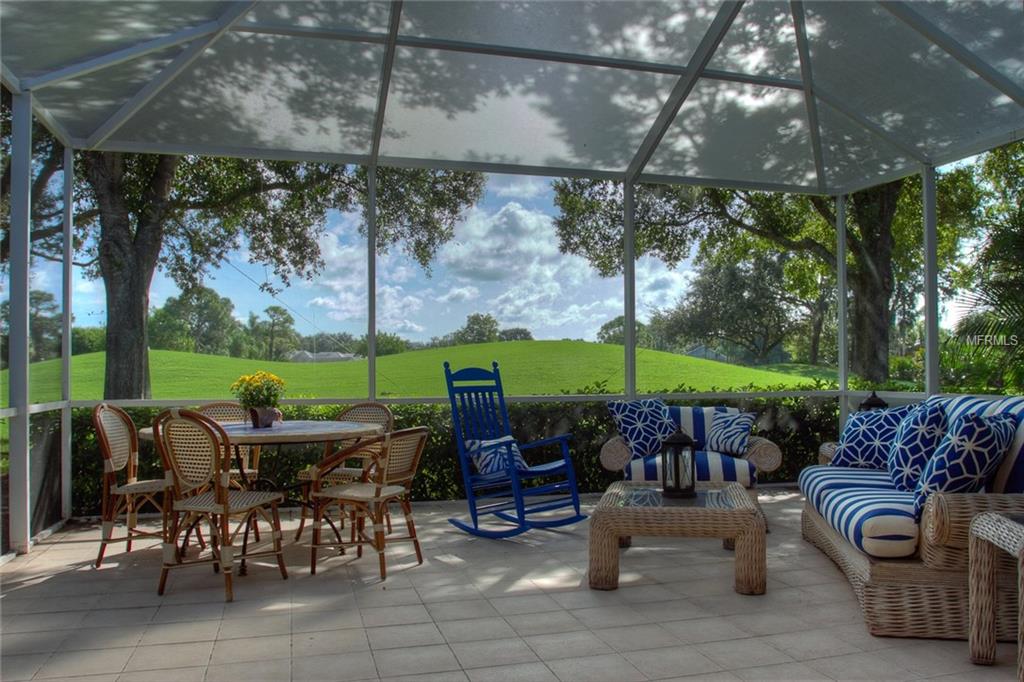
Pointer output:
x,y
872,402
678,469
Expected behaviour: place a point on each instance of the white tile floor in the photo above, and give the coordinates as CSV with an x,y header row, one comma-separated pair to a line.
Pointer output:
x,y
475,610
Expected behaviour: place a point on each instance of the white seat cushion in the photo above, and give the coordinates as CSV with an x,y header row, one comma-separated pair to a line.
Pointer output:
x,y
880,523
817,480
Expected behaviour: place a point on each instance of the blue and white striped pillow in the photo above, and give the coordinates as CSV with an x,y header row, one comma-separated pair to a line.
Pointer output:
x,y
490,456
730,433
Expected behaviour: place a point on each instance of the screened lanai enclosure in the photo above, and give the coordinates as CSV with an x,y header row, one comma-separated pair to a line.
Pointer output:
x,y
811,98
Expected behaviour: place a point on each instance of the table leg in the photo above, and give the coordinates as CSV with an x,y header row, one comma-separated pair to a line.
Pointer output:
x,y
604,555
982,597
242,476
751,559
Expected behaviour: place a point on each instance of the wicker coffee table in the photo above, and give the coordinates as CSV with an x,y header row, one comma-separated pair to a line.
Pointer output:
x,y
628,509
990,532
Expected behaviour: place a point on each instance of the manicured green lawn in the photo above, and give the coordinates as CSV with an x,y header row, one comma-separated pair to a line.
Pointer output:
x,y
528,368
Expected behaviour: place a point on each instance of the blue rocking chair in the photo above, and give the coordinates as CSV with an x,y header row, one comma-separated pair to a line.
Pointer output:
x,y
481,426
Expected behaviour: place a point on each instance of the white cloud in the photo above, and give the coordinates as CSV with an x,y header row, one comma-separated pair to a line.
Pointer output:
x,y
517,186
460,294
658,286
492,246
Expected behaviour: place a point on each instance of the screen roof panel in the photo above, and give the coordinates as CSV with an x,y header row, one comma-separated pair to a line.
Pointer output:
x,y
665,32
730,129
355,15
107,90
43,36
762,41
480,108
904,83
268,92
537,88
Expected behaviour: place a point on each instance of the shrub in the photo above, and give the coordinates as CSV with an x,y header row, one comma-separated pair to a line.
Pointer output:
x,y
797,425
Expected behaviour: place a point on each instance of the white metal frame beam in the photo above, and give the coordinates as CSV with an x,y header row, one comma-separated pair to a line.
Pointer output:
x,y
66,319
470,47
629,284
841,309
931,283
18,359
915,20
120,56
701,56
387,64
799,27
167,75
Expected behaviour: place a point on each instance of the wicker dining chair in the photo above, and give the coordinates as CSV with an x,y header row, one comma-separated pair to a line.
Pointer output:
x,y
227,412
119,445
363,413
389,479
197,463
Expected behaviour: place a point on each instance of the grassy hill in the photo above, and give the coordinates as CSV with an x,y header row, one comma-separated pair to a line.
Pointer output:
x,y
528,368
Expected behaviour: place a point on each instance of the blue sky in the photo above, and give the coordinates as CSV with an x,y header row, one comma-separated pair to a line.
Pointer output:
x,y
504,260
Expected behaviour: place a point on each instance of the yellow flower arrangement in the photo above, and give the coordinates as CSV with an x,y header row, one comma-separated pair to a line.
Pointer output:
x,y
261,389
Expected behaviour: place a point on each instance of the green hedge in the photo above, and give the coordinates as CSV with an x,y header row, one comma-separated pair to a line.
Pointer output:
x,y
798,425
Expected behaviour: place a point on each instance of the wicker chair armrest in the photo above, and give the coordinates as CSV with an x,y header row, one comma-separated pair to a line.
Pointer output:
x,y
615,454
946,520
826,452
764,454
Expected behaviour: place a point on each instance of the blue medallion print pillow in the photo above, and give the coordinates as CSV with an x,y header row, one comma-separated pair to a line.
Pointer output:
x,y
643,424
730,433
867,437
968,455
918,435
491,456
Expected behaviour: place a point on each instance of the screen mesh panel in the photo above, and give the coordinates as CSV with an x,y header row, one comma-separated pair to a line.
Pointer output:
x,y
852,154
108,89
904,83
648,31
268,92
354,15
761,41
728,130
451,105
992,30
39,37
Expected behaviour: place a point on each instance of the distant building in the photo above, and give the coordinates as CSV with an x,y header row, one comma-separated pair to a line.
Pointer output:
x,y
326,356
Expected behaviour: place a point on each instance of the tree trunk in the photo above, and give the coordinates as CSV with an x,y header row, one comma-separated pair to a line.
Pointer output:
x,y
127,370
871,281
129,248
818,313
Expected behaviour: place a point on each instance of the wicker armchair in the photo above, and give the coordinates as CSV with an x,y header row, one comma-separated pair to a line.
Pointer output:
x,y
925,595
227,412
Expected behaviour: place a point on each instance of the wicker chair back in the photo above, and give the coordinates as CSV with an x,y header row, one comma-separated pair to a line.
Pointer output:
x,y
194,449
118,441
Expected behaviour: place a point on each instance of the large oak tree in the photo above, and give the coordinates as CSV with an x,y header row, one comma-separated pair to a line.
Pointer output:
x,y
136,213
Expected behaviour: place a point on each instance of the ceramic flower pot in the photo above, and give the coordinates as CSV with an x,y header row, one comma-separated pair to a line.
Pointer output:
x,y
264,417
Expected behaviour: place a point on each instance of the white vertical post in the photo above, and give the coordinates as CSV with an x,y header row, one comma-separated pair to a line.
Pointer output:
x,y
371,281
21,206
65,351
841,308
931,284
629,277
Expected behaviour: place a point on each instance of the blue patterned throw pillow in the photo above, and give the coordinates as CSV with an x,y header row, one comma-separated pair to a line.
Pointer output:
x,y
969,453
867,437
918,435
643,424
730,433
491,456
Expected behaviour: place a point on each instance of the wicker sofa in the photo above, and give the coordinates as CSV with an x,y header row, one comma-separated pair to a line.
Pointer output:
x,y
762,455
925,594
